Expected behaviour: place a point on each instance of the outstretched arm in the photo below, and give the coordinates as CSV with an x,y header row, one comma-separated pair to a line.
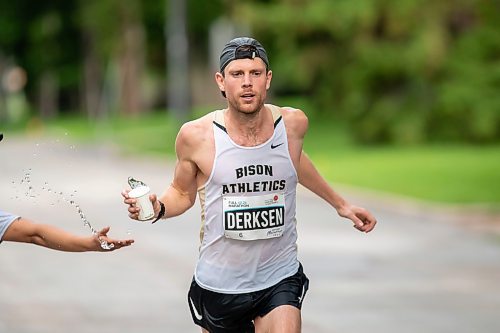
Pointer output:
x,y
26,231
310,178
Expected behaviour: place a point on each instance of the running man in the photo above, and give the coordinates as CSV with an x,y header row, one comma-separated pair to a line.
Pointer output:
x,y
244,162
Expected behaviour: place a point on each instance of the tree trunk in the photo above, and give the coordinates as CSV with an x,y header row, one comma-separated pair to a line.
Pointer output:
x,y
92,80
131,62
48,102
177,60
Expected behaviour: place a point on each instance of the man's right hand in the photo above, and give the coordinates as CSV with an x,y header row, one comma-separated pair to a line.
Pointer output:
x,y
133,210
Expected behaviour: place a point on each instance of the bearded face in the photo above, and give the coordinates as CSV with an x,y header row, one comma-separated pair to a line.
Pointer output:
x,y
245,83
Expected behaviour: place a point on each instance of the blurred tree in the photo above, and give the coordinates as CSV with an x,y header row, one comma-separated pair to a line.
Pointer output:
x,y
398,71
39,38
113,44
179,99
468,99
97,56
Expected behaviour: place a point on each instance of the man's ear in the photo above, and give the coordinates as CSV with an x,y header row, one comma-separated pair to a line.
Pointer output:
x,y
269,78
219,79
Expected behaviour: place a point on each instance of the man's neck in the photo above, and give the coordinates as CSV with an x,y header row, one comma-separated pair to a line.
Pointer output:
x,y
249,129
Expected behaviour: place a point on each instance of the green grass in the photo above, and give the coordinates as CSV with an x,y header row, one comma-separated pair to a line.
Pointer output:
x,y
454,174
458,174
444,174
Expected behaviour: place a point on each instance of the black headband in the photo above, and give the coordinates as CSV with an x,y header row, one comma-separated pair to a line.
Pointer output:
x,y
242,48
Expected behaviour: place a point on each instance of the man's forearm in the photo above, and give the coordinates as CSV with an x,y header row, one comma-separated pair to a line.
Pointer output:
x,y
310,178
176,202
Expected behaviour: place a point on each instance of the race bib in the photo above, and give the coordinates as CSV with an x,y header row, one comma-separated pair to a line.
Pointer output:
x,y
254,217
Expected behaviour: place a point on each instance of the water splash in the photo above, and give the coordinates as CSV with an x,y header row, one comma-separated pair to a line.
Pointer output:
x,y
135,182
31,194
104,244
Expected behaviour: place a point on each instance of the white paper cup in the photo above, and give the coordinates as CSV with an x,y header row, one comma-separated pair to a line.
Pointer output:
x,y
141,194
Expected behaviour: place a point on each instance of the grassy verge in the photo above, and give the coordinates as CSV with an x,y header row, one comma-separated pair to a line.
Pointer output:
x,y
435,173
458,174
439,173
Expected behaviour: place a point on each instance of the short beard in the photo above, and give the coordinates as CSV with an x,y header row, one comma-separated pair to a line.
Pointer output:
x,y
245,112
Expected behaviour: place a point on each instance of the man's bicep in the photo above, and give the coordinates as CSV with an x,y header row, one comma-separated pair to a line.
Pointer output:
x,y
185,177
185,168
188,148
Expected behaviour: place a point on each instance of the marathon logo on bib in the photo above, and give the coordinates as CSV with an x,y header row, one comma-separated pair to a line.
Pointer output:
x,y
254,217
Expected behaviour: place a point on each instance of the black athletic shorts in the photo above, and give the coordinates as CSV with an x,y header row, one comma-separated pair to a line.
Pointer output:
x,y
217,312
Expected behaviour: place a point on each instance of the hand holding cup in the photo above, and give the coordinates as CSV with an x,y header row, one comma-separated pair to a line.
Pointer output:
x,y
140,203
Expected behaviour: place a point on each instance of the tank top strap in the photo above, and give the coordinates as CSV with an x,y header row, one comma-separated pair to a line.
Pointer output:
x,y
219,115
219,119
275,111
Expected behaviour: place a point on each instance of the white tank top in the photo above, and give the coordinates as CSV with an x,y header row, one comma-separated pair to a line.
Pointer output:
x,y
248,233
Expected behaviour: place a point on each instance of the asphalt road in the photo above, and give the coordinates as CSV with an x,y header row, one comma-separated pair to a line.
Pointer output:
x,y
419,271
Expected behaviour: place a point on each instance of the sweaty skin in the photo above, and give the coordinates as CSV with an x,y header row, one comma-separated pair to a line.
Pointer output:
x,y
248,123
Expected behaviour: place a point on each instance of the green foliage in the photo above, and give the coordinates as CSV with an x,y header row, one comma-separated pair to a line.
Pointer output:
x,y
81,47
398,71
468,94
401,72
39,37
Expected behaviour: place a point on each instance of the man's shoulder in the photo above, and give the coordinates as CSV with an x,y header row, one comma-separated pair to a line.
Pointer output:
x,y
291,114
295,119
194,131
287,111
201,123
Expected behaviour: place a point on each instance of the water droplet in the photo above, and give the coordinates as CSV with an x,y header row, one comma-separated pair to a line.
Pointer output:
x,y
31,193
105,245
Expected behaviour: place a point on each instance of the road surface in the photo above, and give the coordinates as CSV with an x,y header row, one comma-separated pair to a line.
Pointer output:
x,y
417,272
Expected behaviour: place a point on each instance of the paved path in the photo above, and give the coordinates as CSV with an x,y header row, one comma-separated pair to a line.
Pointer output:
x,y
415,273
